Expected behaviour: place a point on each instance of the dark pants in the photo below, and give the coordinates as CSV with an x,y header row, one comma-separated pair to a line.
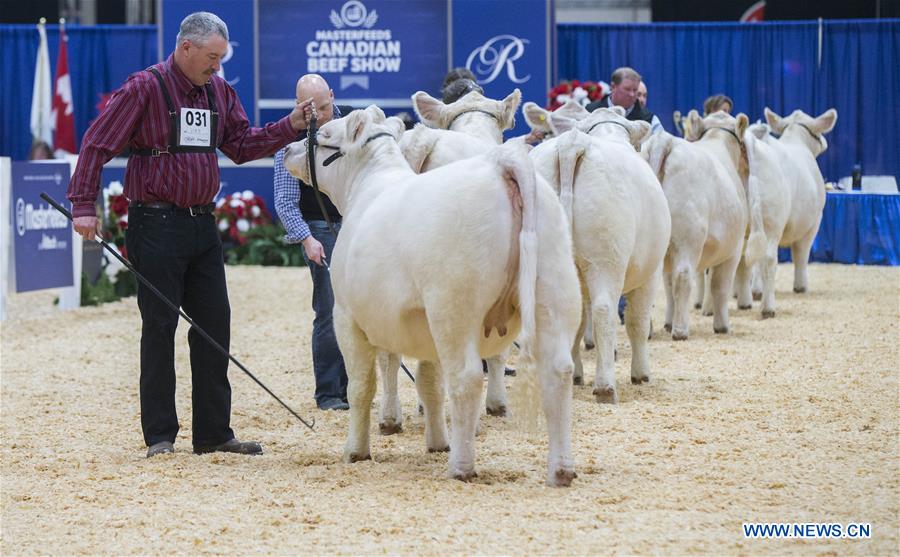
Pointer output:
x,y
328,363
181,256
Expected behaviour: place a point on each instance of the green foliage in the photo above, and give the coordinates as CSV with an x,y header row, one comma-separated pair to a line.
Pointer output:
x,y
104,290
264,246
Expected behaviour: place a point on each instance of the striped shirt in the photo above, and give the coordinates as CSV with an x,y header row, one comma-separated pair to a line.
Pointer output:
x,y
137,117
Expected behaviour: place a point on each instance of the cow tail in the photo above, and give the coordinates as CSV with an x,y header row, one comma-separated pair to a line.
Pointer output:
x,y
756,242
571,146
660,145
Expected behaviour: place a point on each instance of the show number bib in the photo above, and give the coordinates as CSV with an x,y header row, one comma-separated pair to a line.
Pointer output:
x,y
195,127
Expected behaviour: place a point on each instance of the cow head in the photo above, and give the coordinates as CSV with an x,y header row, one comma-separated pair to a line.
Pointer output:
x,y
611,123
553,123
495,116
340,144
798,121
698,126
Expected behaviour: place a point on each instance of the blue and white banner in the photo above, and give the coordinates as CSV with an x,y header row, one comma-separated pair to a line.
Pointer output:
x,y
42,236
506,45
238,62
369,51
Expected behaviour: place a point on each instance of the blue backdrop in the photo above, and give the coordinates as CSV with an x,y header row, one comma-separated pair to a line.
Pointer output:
x,y
100,58
762,64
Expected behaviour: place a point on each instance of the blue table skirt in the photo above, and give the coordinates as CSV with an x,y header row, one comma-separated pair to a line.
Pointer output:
x,y
860,228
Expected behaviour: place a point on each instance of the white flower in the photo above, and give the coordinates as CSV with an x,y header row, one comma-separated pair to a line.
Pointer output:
x,y
255,211
243,225
579,93
124,218
248,195
115,188
220,202
223,225
562,98
113,265
236,202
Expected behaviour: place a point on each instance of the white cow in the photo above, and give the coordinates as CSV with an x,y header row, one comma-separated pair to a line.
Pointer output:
x,y
704,184
620,228
800,143
419,270
473,114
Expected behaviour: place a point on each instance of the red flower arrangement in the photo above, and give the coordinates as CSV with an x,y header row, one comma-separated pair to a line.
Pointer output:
x,y
115,220
585,92
238,213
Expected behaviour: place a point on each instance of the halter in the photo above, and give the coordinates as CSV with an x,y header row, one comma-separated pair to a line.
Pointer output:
x,y
494,116
620,124
814,135
734,135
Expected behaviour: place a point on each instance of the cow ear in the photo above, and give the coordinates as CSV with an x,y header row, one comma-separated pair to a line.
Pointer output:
x,y
825,122
376,113
536,117
638,130
562,123
356,123
694,128
429,109
775,122
740,126
395,127
509,105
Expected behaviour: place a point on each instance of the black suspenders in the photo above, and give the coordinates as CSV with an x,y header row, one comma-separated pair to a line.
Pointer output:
x,y
175,125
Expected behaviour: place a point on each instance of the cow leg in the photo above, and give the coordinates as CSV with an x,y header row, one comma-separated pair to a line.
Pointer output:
x,y
721,281
707,308
742,285
464,380
700,288
588,326
556,368
430,386
359,358
637,325
681,287
767,268
670,301
391,412
495,401
756,279
800,255
604,312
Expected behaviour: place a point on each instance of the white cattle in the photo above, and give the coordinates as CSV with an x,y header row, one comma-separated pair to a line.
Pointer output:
x,y
473,114
419,270
620,229
704,184
796,150
554,123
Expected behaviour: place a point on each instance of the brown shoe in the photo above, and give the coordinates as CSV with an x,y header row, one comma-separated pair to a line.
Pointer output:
x,y
231,446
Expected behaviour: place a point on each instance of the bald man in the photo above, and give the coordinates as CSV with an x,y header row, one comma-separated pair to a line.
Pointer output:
x,y
305,224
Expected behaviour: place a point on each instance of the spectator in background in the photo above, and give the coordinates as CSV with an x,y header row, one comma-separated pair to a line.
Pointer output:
x,y
624,85
454,74
40,151
655,124
458,89
716,103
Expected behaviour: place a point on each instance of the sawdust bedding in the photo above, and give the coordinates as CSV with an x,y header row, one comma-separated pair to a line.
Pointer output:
x,y
793,419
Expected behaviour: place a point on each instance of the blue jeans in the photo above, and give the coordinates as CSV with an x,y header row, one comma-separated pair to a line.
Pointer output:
x,y
328,363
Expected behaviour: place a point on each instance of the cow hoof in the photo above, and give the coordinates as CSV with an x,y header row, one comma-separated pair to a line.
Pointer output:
x,y
799,289
768,313
421,410
356,457
606,396
588,345
706,312
698,306
615,354
720,330
757,296
465,476
563,478
639,380
444,449
499,411
667,327
578,381
679,336
390,428
745,306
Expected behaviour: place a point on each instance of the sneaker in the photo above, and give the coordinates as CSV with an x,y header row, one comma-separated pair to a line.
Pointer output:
x,y
163,447
231,446
333,404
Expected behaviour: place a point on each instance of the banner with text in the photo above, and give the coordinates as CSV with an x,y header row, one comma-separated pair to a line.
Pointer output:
x,y
42,236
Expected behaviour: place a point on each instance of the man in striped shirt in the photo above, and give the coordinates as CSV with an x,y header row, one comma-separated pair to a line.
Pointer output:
x,y
173,117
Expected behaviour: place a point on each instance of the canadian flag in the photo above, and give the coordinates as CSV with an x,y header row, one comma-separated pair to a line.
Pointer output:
x,y
63,117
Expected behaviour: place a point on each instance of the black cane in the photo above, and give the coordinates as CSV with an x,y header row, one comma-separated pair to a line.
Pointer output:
x,y
190,321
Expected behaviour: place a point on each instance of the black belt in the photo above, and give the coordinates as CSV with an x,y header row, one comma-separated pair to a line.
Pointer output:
x,y
193,210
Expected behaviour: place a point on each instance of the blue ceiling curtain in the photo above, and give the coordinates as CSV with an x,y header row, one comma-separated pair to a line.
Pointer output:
x,y
773,64
100,58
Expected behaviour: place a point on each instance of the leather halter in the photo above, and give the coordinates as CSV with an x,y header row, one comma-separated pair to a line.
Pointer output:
x,y
494,116
620,124
734,135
